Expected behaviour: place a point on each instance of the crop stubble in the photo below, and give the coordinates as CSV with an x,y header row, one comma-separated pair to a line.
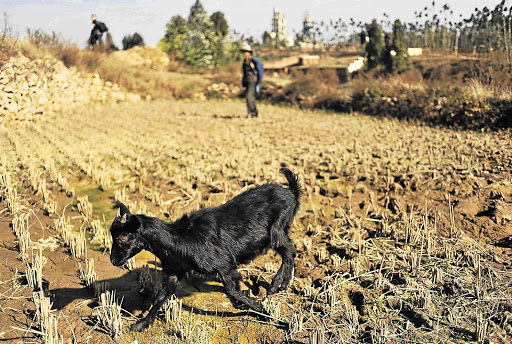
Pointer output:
x,y
394,234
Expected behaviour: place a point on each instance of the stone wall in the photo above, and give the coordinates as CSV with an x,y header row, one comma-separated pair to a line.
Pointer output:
x,y
31,88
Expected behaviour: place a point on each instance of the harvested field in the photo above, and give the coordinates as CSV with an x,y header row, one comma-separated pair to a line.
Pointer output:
x,y
403,233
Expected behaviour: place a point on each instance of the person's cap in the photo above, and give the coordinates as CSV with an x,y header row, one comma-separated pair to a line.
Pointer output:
x,y
246,47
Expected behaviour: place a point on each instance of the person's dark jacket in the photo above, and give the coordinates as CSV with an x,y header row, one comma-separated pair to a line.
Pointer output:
x,y
252,71
100,26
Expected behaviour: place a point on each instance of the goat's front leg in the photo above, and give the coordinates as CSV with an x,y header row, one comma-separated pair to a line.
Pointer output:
x,y
168,288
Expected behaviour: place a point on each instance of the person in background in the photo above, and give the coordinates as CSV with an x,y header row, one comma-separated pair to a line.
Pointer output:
x,y
98,28
252,76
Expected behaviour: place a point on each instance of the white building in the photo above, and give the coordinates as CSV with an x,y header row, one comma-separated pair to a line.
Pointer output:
x,y
279,25
278,33
308,32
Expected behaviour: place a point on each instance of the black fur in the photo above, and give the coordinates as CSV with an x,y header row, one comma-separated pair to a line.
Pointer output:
x,y
214,240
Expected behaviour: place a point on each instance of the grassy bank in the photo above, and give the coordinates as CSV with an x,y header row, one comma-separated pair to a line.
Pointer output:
x,y
459,93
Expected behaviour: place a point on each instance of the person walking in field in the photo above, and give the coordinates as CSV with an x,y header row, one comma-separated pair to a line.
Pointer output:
x,y
98,28
252,76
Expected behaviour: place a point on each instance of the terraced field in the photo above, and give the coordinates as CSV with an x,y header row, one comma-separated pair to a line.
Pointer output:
x,y
403,232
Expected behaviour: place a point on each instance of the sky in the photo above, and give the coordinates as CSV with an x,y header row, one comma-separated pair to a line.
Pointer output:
x,y
71,18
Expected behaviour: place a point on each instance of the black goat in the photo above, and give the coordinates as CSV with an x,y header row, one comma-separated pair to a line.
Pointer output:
x,y
214,240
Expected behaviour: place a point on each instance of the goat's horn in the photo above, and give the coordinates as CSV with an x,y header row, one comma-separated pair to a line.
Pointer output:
x,y
118,214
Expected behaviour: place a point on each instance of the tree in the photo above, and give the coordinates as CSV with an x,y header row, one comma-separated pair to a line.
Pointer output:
x,y
197,47
131,41
220,25
199,40
221,30
175,34
395,57
197,14
375,45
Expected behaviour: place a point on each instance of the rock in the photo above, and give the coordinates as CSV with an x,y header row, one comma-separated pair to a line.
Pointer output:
x,y
11,106
469,207
9,88
131,97
32,80
502,212
42,100
31,87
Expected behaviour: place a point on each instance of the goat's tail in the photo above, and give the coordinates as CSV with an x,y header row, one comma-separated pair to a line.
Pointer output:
x,y
293,182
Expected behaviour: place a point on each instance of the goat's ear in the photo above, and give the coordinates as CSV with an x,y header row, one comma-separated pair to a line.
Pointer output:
x,y
122,209
122,214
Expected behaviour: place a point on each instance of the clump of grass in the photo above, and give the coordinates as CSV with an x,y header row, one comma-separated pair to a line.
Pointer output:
x,y
130,264
20,227
78,244
297,323
85,207
47,321
317,336
193,330
272,307
10,194
50,207
64,183
101,235
149,280
34,270
100,288
109,314
87,274
64,228
172,309
8,41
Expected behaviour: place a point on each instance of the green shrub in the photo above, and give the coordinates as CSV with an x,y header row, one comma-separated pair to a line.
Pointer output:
x,y
450,105
131,41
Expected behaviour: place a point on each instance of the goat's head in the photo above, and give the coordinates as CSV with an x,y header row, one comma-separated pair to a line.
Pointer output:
x,y
126,238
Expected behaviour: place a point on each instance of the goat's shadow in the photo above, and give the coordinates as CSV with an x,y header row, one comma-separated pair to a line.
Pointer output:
x,y
128,289
504,242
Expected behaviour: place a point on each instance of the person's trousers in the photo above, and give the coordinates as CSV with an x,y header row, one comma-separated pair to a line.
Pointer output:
x,y
250,98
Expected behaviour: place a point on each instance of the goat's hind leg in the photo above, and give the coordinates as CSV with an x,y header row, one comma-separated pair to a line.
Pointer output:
x,y
230,280
168,288
282,278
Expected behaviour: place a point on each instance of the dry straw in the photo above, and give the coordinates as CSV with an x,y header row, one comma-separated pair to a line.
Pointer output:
x,y
172,309
109,314
34,270
78,245
85,207
20,225
47,321
87,274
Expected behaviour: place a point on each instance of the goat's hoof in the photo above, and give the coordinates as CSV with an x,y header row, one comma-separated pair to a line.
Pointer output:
x,y
273,290
257,307
139,326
